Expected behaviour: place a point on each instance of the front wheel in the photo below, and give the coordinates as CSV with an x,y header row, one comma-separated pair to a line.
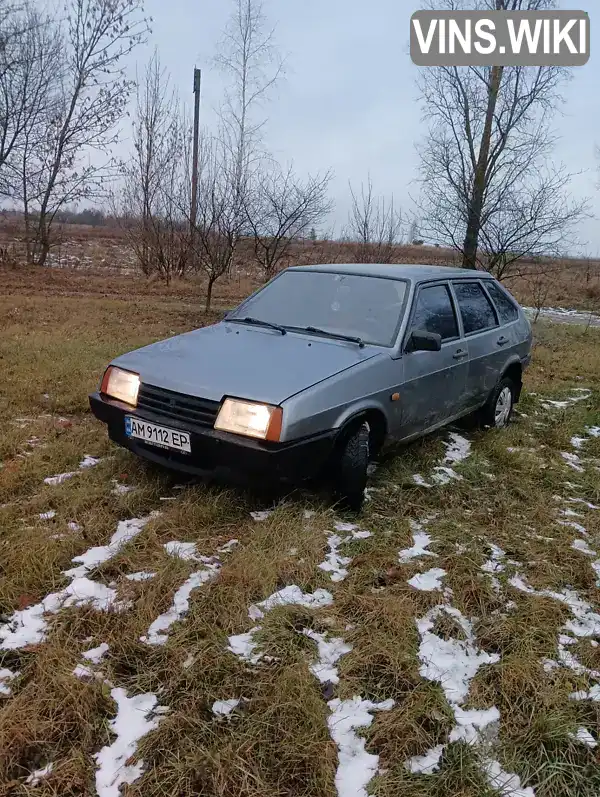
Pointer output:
x,y
351,468
499,408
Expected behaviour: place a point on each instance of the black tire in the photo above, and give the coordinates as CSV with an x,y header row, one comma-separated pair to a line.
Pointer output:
x,y
496,413
350,477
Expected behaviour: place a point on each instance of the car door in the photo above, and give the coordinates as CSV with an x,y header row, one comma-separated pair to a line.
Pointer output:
x,y
434,381
485,339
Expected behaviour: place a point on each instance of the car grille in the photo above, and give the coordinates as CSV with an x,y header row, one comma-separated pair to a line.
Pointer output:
x,y
201,412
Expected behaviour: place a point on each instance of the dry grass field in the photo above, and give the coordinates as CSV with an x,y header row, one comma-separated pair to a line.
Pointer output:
x,y
160,638
102,255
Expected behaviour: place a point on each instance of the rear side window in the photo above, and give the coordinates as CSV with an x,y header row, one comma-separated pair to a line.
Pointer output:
x,y
475,307
506,308
434,312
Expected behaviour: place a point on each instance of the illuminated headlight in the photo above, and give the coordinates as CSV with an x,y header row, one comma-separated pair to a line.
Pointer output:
x,y
250,419
121,385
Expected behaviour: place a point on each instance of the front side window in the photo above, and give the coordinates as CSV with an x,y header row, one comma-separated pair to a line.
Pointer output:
x,y
506,308
434,312
364,307
475,307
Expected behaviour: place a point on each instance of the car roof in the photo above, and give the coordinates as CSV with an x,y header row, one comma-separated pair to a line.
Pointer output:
x,y
408,271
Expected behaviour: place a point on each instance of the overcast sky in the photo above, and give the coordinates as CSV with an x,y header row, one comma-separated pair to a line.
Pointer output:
x,y
349,102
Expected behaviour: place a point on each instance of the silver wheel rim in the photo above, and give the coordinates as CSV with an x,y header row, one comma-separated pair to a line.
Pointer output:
x,y
503,407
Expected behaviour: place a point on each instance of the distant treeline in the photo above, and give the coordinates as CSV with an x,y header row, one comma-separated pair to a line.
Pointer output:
x,y
91,217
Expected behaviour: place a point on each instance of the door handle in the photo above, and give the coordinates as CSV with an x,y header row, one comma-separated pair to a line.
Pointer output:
x,y
502,341
460,354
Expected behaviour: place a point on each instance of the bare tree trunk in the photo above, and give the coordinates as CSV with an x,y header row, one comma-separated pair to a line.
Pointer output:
x,y
480,177
43,242
209,291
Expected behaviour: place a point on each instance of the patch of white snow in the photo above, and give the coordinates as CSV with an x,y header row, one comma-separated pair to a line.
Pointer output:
x,y
136,717
223,708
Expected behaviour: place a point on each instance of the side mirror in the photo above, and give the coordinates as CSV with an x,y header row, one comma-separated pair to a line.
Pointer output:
x,y
424,341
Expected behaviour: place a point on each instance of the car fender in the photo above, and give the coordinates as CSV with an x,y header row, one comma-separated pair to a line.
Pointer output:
x,y
513,359
357,410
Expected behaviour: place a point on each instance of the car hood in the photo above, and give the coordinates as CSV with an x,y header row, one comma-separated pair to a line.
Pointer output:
x,y
241,361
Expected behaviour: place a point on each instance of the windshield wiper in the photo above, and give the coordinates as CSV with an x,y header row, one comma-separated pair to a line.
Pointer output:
x,y
257,322
327,334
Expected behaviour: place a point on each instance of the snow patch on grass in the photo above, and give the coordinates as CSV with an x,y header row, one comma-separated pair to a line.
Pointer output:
x,y
452,663
426,764
421,542
330,651
585,623
495,565
356,767
126,531
458,448
223,708
141,576
261,516
136,717
89,462
431,581
39,774
585,737
572,524
504,782
245,645
583,547
592,694
6,676
291,596
29,627
95,655
335,564
581,501
157,633
59,478
187,552
121,489
578,394
229,546
86,463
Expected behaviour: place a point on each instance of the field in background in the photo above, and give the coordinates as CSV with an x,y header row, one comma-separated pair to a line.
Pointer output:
x,y
102,252
446,644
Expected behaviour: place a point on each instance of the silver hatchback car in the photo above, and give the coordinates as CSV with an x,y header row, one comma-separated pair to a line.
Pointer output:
x,y
314,372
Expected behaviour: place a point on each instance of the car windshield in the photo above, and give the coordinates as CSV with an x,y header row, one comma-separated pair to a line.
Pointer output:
x,y
362,307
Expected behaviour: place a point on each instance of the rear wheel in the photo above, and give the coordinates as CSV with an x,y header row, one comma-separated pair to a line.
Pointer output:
x,y
350,477
499,408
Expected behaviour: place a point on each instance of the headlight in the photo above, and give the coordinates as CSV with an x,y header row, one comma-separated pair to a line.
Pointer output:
x,y
121,385
250,419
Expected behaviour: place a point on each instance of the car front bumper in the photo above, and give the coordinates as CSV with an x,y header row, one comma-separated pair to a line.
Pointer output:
x,y
215,452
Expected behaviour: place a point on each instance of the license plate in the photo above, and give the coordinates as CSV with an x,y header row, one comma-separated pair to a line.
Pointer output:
x,y
159,436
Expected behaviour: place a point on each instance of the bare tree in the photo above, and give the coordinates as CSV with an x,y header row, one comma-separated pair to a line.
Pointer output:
x,y
536,218
489,133
283,209
91,95
155,179
216,235
539,279
375,225
249,59
29,65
